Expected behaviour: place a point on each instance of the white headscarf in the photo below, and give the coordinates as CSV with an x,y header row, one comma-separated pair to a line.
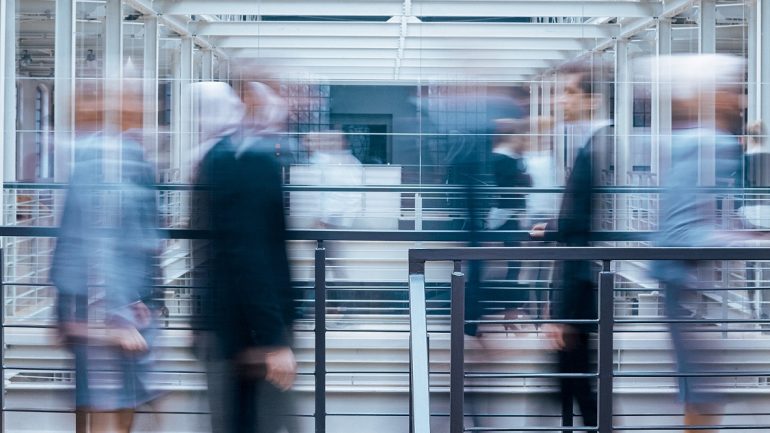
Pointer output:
x,y
219,113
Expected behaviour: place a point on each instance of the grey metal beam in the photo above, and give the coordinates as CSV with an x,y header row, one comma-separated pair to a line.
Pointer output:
x,y
419,29
64,48
480,8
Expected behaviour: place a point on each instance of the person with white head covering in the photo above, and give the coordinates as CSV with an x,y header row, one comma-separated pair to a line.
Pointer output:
x,y
219,114
266,121
249,305
707,96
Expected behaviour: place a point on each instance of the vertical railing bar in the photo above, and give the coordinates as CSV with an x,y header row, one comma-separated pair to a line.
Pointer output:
x,y
419,385
320,338
606,329
457,359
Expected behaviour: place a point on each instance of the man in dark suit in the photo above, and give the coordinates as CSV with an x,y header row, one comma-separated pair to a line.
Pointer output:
x,y
250,306
584,100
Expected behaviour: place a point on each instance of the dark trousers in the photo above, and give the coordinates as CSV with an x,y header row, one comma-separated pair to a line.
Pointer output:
x,y
576,359
513,267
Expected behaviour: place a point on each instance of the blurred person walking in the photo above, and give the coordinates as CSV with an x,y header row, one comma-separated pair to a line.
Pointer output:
x,y
584,103
249,308
509,167
105,262
707,96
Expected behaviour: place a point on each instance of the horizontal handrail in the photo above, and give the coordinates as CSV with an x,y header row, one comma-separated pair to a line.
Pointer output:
x,y
411,188
418,256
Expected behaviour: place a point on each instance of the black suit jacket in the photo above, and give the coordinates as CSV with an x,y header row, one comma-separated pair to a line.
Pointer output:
x,y
575,281
251,300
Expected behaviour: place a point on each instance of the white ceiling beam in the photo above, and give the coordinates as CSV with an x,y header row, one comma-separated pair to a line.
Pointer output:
x,y
284,28
628,30
406,79
515,65
282,7
540,8
374,53
416,71
418,30
431,8
146,7
292,42
447,43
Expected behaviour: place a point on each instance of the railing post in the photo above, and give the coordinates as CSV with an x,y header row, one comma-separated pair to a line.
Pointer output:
x,y
418,212
457,360
2,342
606,329
320,338
419,386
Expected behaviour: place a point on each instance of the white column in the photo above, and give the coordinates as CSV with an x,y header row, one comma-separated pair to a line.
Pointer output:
x,y
534,114
113,63
184,149
624,99
707,45
754,62
8,89
207,65
557,130
661,104
707,27
150,84
623,112
763,61
224,69
64,64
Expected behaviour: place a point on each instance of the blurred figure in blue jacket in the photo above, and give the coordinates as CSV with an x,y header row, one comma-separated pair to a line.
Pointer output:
x,y
104,263
707,98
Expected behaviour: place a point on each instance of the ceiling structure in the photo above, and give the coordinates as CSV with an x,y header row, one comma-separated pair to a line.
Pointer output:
x,y
416,40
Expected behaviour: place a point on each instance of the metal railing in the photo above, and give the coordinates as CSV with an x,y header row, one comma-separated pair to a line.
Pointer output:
x,y
420,414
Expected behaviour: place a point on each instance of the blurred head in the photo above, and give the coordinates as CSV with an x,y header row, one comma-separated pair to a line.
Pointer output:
x,y
515,134
587,88
698,82
89,106
266,110
120,99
